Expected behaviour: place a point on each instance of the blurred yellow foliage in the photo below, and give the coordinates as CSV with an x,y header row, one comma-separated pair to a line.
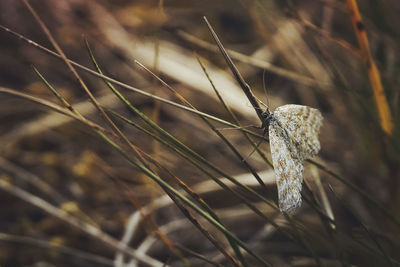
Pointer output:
x,y
84,164
139,16
69,207
57,241
50,158
37,88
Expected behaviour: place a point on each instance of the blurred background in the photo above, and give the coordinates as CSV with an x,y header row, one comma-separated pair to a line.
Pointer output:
x,y
300,52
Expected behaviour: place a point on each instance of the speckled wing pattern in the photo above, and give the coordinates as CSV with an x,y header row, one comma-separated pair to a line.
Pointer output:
x,y
293,135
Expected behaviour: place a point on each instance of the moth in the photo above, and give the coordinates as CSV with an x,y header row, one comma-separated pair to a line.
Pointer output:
x,y
293,135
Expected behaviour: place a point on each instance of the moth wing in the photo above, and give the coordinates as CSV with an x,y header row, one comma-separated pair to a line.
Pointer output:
x,y
288,170
302,124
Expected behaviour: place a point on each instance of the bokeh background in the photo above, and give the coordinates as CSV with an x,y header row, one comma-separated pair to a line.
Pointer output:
x,y
301,52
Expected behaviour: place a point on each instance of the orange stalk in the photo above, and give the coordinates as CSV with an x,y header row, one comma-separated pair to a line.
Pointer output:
x,y
373,72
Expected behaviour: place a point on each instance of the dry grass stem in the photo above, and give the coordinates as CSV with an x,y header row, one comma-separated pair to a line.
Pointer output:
x,y
384,113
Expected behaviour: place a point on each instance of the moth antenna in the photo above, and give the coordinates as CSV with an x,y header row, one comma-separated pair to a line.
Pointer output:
x,y
265,88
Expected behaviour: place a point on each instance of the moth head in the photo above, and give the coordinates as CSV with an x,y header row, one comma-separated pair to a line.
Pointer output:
x,y
266,118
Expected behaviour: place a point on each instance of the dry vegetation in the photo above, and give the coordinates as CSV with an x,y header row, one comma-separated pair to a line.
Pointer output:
x,y
82,185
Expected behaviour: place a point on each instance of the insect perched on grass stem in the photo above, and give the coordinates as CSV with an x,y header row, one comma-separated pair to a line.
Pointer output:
x,y
293,136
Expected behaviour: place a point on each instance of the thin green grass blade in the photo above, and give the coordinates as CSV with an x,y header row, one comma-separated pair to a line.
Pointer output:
x,y
70,107
193,154
184,199
202,203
